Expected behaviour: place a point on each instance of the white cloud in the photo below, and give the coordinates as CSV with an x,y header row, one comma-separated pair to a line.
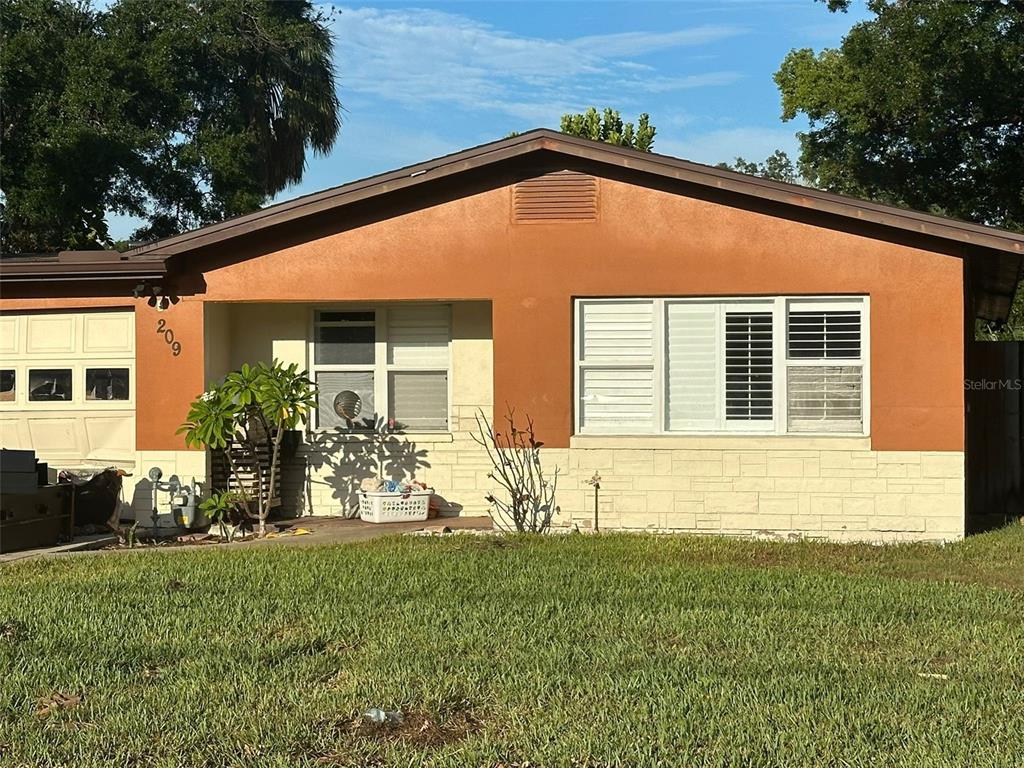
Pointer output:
x,y
725,144
419,58
637,43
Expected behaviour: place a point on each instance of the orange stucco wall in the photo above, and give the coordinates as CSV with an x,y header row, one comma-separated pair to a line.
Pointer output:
x,y
166,383
646,242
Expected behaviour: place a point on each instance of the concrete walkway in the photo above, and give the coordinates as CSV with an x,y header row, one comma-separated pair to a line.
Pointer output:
x,y
79,544
321,530
336,530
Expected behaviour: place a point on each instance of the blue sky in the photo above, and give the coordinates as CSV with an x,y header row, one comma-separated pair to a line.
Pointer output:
x,y
423,79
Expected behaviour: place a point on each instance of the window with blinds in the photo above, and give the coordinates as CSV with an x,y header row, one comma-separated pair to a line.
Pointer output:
x,y
773,365
824,366
395,358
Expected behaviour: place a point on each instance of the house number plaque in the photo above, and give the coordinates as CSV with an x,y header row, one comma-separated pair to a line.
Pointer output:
x,y
168,334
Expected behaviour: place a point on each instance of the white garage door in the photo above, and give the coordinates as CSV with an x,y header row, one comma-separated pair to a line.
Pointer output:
x,y
67,386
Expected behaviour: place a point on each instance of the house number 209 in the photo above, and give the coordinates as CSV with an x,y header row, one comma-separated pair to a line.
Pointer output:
x,y
168,334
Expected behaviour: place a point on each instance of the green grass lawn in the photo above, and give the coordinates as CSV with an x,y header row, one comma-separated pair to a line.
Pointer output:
x,y
560,651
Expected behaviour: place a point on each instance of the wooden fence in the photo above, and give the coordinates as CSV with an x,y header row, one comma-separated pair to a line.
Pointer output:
x,y
995,424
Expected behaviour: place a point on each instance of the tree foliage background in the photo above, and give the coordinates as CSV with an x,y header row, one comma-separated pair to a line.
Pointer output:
x,y
777,166
179,112
607,126
921,106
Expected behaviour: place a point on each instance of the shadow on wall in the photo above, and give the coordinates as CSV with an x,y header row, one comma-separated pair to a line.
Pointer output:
x,y
141,505
343,460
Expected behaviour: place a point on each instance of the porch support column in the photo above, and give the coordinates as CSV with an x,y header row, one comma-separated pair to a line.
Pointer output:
x,y
166,382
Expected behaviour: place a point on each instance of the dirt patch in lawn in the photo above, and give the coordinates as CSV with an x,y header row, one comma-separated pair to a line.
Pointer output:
x,y
416,729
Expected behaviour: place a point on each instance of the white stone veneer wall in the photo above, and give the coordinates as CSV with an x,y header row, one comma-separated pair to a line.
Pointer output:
x,y
841,495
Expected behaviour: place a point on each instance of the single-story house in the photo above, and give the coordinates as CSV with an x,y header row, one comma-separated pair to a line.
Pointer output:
x,y
731,354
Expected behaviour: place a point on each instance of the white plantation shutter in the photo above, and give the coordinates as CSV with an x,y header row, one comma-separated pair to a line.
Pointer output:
x,y
616,379
618,400
825,367
617,331
418,400
824,334
693,366
748,366
418,336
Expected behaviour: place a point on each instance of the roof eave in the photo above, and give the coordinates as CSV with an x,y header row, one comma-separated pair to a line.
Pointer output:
x,y
806,198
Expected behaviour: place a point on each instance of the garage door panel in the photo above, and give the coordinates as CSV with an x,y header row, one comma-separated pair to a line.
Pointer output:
x,y
50,334
9,336
108,333
107,436
14,433
57,435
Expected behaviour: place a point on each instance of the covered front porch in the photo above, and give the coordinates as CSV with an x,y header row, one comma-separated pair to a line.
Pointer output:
x,y
422,372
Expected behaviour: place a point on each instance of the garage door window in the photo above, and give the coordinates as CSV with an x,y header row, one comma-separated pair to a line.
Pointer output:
x,y
49,384
106,383
8,379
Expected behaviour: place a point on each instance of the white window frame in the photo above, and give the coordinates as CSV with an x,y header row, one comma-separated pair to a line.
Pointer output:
x,y
779,307
834,304
380,367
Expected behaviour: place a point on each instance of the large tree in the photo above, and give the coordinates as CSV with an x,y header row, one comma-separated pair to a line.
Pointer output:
x,y
181,113
922,106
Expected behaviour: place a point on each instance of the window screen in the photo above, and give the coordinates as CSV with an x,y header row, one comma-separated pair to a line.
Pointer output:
x,y
825,398
418,400
330,383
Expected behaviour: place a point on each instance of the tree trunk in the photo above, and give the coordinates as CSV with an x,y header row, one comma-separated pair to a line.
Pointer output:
x,y
265,507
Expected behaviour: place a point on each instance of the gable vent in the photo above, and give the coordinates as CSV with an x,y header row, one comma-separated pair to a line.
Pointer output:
x,y
555,197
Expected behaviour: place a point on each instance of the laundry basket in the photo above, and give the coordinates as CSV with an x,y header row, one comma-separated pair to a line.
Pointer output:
x,y
383,507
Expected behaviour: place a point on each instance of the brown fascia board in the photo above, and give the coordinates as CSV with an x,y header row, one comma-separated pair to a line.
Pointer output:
x,y
663,166
100,266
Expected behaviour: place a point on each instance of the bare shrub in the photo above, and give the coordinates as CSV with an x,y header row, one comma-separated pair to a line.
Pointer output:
x,y
529,503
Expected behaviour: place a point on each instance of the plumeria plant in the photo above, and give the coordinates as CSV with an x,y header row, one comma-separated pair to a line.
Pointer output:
x,y
251,408
528,496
